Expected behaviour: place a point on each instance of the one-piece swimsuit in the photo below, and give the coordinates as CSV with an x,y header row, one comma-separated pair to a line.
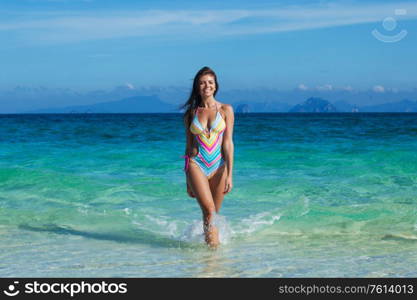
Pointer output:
x,y
209,157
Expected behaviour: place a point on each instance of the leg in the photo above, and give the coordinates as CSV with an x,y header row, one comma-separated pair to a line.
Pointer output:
x,y
217,184
201,190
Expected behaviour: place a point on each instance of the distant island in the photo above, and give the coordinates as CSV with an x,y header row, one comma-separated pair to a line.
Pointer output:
x,y
314,105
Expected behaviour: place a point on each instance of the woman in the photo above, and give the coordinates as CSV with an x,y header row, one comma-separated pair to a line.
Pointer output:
x,y
209,149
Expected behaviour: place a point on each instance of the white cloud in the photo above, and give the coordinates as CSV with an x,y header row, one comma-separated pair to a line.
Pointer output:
x,y
302,87
347,88
129,86
73,26
326,87
378,89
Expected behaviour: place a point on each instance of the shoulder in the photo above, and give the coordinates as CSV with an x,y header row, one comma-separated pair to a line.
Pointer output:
x,y
226,108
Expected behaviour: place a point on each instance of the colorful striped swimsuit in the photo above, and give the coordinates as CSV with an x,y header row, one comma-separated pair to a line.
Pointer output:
x,y
209,157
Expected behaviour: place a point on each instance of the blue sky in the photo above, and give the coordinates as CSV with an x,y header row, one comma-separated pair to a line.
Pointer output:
x,y
85,45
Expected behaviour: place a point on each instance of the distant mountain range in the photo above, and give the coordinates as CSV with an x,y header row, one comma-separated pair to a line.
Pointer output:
x,y
138,104
319,105
27,99
128,99
401,106
153,104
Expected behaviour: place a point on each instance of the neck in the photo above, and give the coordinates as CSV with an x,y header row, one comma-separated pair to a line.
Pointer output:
x,y
208,102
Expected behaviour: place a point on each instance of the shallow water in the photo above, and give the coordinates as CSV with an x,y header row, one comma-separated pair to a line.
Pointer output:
x,y
315,195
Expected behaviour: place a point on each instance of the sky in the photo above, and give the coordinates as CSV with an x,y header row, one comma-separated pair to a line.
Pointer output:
x,y
99,44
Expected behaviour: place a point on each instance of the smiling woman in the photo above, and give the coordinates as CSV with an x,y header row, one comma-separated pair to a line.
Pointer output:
x,y
209,151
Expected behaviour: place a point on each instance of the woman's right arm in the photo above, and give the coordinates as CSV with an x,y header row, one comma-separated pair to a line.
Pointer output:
x,y
189,136
188,151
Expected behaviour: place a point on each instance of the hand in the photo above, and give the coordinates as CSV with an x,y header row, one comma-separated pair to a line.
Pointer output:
x,y
229,185
190,191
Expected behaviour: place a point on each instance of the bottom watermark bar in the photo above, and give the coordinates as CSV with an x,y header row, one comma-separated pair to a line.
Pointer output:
x,y
62,287
79,288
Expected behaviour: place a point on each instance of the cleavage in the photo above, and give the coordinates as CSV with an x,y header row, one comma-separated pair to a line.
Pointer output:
x,y
206,129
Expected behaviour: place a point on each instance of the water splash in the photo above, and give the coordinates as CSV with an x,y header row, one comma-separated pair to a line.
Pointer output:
x,y
194,232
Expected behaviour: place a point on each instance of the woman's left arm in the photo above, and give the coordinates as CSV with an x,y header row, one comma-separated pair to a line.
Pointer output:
x,y
228,147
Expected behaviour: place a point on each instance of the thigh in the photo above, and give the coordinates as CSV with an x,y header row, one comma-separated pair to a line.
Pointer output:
x,y
200,186
217,184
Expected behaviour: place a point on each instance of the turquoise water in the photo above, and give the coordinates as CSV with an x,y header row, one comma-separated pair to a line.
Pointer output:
x,y
315,195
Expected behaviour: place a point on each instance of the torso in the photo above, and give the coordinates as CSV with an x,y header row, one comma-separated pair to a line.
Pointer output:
x,y
200,127
207,116
208,137
204,119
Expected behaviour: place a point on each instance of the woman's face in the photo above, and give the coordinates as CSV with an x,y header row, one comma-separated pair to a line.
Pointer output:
x,y
207,85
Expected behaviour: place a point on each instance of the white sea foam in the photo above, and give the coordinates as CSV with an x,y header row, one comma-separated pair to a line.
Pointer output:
x,y
195,233
161,225
256,222
166,226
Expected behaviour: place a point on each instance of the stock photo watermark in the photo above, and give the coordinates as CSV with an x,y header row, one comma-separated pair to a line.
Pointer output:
x,y
71,289
390,24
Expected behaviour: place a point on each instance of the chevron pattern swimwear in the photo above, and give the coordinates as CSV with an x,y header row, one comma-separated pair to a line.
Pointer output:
x,y
209,157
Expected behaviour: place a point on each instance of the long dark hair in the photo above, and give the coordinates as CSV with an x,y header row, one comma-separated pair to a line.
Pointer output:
x,y
195,99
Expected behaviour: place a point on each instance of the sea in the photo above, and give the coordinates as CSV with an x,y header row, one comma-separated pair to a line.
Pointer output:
x,y
104,195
